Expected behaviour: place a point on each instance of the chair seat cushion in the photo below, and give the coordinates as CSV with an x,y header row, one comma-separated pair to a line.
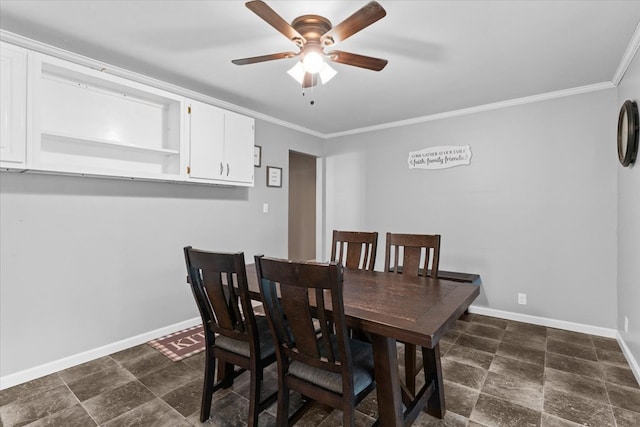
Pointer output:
x,y
242,347
362,357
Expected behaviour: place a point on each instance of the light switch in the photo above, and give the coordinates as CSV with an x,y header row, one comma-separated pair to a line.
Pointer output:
x,y
265,208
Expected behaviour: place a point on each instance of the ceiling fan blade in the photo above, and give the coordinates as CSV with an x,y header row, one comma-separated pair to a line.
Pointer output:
x,y
263,58
367,15
261,9
368,62
309,80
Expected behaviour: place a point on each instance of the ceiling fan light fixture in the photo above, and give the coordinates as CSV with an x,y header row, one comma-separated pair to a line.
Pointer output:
x,y
297,72
313,62
326,73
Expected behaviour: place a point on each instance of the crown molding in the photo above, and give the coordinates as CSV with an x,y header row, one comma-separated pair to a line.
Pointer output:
x,y
46,49
627,57
479,109
140,78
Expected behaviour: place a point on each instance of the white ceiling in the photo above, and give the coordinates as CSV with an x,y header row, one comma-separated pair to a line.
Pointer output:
x,y
443,55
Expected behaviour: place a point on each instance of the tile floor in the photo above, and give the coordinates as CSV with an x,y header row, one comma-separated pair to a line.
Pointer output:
x,y
496,373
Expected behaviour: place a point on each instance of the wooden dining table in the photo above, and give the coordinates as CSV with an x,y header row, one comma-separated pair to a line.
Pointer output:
x,y
393,307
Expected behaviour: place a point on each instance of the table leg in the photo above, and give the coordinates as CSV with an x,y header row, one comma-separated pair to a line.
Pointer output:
x,y
385,363
433,372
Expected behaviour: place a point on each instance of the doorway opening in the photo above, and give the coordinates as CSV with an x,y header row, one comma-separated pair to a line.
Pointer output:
x,y
302,206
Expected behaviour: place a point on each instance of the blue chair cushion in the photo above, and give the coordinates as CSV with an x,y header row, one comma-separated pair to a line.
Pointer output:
x,y
362,357
242,347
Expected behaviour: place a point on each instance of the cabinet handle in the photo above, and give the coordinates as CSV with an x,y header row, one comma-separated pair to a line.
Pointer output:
x,y
227,169
221,168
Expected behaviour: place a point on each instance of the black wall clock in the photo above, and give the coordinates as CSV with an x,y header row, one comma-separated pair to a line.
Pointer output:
x,y
628,133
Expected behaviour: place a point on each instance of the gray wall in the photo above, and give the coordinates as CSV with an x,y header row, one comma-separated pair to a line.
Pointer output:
x,y
534,212
86,262
629,228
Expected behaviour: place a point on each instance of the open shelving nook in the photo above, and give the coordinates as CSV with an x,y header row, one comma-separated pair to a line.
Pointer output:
x,y
90,122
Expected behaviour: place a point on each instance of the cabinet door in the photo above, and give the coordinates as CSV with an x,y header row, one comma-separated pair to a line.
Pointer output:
x,y
206,154
13,102
238,147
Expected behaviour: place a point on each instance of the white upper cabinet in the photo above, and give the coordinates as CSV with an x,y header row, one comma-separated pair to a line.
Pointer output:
x,y
239,139
13,106
220,145
206,141
89,122
64,118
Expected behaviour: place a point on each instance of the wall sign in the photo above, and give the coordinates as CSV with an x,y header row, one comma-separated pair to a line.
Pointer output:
x,y
445,156
274,176
257,156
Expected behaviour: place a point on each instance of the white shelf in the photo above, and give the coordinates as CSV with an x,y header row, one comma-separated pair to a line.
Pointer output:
x,y
74,170
81,121
90,123
62,137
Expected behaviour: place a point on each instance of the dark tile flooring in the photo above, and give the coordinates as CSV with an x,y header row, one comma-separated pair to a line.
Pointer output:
x,y
496,373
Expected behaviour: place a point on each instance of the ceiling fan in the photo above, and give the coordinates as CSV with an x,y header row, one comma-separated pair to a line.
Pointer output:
x,y
313,33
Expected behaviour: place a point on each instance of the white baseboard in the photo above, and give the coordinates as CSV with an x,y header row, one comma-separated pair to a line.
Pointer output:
x,y
633,363
87,356
77,359
544,321
562,324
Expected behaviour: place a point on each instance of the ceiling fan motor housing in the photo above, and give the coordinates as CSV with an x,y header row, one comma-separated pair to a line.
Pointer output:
x,y
312,28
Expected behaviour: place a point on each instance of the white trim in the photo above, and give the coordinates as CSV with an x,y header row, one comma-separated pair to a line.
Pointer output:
x,y
77,359
37,46
320,196
479,109
569,326
633,363
627,57
92,63
544,321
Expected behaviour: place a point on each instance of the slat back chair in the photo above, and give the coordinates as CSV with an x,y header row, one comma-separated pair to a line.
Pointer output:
x,y
304,304
419,252
234,335
355,249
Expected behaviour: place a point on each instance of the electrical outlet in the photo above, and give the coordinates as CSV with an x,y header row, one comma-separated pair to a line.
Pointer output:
x,y
522,299
265,208
626,324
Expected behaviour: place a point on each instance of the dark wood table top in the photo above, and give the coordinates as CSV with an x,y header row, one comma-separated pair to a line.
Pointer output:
x,y
417,310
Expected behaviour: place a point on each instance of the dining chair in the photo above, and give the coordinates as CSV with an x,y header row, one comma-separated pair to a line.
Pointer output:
x,y
354,249
418,255
326,365
234,335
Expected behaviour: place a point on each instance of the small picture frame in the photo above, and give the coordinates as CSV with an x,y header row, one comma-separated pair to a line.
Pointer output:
x,y
274,176
257,156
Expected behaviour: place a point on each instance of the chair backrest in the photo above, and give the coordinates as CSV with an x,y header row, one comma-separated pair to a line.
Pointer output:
x,y
219,285
296,293
414,248
355,249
